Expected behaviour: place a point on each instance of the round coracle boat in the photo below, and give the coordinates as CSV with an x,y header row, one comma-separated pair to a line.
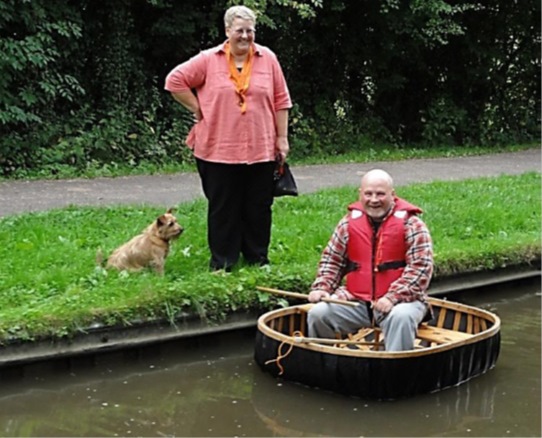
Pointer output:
x,y
460,342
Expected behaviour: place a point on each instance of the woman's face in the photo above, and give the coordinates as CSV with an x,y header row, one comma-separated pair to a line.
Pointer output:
x,y
241,35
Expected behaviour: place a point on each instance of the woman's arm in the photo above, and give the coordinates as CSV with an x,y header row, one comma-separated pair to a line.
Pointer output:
x,y
282,145
189,100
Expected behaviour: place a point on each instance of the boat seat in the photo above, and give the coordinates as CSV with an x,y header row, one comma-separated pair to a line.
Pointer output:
x,y
426,333
364,334
440,335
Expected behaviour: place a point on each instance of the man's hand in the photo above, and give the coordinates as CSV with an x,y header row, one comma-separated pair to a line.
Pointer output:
x,y
317,295
383,305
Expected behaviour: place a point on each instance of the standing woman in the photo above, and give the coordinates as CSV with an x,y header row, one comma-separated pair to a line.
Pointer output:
x,y
240,100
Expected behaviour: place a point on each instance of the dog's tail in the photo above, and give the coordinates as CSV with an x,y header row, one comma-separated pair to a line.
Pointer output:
x,y
100,258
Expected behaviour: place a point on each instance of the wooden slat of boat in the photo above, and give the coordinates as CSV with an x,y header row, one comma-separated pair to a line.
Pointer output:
x,y
441,317
303,309
363,334
440,335
469,323
379,337
483,324
291,325
366,347
280,324
322,344
457,321
476,325
303,325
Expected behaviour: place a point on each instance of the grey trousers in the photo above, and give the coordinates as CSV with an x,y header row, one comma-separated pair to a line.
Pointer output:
x,y
399,326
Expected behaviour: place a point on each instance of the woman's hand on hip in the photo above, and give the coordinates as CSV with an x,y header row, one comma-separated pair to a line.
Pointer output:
x,y
197,115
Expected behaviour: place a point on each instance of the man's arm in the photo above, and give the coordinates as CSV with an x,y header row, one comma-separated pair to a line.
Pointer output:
x,y
332,263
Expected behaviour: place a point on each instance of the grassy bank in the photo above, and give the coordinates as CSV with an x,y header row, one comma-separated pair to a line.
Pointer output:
x,y
50,284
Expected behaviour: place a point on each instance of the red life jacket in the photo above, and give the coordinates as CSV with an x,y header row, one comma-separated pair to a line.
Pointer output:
x,y
376,260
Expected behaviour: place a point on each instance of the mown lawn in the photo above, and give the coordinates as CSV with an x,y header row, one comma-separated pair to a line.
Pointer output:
x,y
50,284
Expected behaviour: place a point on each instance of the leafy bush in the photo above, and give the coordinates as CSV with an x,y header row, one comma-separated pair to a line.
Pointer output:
x,y
81,82
444,123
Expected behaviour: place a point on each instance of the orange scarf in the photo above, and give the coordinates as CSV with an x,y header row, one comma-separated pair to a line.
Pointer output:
x,y
240,79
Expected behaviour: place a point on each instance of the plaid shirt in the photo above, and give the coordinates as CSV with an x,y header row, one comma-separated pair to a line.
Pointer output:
x,y
411,286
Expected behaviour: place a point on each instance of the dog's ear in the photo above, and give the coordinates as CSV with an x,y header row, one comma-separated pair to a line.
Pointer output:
x,y
162,220
170,210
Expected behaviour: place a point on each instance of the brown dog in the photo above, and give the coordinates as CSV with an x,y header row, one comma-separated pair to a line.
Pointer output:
x,y
148,249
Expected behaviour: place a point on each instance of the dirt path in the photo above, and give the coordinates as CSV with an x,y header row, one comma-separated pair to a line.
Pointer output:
x,y
169,190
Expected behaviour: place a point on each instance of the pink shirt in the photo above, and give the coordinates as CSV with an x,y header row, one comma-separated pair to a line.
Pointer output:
x,y
224,134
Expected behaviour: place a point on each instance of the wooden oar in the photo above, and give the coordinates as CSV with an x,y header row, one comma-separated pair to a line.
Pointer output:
x,y
305,296
326,341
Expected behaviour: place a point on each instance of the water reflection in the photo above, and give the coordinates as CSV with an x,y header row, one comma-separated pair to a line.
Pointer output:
x,y
213,388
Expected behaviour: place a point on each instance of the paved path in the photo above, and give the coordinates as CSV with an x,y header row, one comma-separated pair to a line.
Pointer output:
x,y
169,190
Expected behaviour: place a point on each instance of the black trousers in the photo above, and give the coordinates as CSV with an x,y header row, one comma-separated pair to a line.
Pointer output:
x,y
239,213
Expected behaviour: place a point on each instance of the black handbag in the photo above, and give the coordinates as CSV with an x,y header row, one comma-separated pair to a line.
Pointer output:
x,y
284,181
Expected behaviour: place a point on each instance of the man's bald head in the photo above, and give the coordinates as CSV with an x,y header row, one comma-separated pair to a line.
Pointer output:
x,y
376,193
379,176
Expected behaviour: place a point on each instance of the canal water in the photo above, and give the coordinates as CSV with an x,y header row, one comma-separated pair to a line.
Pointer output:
x,y
212,387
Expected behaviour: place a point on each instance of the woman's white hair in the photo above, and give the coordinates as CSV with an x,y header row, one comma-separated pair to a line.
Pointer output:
x,y
238,12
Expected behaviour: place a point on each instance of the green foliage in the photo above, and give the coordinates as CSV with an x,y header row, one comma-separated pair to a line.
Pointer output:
x,y
35,42
81,82
476,225
443,123
439,20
